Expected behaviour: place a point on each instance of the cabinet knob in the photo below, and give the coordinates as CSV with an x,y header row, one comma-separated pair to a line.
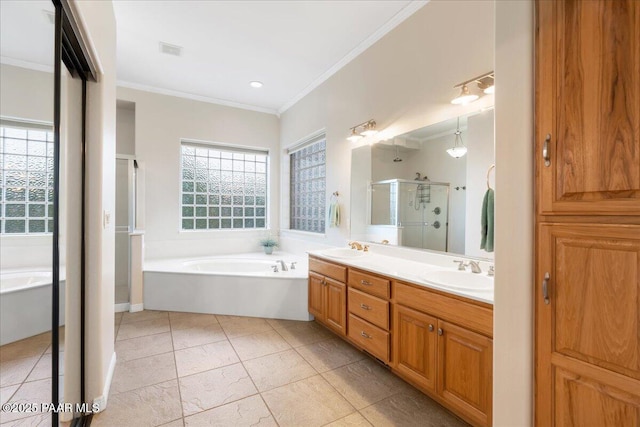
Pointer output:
x,y
440,331
364,334
430,328
365,307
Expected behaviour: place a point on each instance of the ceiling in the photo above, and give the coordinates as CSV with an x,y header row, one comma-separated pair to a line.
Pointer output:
x,y
290,46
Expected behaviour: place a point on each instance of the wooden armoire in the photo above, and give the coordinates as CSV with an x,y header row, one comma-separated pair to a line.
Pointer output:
x,y
587,266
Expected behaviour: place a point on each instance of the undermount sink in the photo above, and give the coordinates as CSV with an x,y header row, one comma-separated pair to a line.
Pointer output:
x,y
342,253
463,280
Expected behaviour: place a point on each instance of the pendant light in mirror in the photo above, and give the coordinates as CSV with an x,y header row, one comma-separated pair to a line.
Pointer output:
x,y
458,150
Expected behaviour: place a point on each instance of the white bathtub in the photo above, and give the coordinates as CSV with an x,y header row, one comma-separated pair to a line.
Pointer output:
x,y
239,285
25,304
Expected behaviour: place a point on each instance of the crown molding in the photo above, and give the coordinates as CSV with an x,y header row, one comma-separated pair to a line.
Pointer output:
x,y
26,64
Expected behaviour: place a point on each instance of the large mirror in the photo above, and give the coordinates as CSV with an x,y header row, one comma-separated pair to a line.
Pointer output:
x,y
410,190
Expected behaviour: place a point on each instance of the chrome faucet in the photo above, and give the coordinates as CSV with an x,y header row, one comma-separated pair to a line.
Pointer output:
x,y
283,265
475,267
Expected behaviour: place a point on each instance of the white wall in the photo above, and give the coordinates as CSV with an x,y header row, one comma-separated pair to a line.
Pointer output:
x,y
161,121
99,26
481,155
25,94
404,81
512,318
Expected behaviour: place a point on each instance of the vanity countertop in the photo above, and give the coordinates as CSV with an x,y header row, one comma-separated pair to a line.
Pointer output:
x,y
415,272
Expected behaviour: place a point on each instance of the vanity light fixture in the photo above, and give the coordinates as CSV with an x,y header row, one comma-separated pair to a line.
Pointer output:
x,y
368,129
465,96
354,135
485,82
458,150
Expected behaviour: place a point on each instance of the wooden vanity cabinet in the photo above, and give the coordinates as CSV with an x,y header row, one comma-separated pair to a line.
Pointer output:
x,y
443,345
328,294
440,343
368,304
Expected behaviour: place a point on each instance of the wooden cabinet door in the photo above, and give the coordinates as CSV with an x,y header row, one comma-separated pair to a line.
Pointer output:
x,y
588,329
316,296
588,102
336,305
465,371
414,346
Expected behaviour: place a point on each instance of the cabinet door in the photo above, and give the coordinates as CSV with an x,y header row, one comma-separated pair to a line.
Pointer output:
x,y
588,101
465,371
588,329
414,346
316,296
336,305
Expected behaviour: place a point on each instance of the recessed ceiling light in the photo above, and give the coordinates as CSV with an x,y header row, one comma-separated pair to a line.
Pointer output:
x,y
256,84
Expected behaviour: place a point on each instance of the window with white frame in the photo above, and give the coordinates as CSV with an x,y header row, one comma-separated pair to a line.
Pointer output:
x,y
223,187
307,186
26,178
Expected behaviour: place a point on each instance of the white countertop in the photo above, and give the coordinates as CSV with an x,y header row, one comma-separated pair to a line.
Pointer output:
x,y
415,272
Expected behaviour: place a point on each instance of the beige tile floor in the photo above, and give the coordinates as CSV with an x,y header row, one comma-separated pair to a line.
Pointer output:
x,y
182,369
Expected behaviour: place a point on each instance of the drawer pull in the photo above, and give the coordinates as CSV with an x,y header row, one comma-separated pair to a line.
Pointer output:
x,y
545,288
430,328
364,282
545,150
365,307
366,335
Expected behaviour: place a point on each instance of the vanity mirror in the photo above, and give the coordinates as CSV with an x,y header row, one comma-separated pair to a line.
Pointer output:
x,y
413,192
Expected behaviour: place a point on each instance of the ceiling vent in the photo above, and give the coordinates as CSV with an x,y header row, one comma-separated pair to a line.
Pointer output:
x,y
170,49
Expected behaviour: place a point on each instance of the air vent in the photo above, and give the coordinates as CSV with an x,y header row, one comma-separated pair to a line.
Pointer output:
x,y
170,49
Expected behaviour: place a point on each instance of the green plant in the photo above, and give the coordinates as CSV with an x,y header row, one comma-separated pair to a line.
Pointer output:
x,y
269,242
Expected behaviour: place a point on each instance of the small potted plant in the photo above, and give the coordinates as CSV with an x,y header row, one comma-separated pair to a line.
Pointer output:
x,y
268,243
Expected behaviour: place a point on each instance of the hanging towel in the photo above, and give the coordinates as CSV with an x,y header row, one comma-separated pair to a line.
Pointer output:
x,y
487,221
334,214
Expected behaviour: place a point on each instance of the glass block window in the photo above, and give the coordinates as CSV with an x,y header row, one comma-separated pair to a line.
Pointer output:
x,y
26,181
223,187
307,192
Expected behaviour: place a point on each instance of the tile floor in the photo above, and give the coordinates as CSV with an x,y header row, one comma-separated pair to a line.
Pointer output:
x,y
182,369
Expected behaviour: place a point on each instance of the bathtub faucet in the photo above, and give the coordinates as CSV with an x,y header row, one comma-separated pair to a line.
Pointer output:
x,y
283,265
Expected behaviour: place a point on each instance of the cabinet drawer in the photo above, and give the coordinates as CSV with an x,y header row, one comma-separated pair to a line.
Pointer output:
x,y
328,269
369,283
369,337
474,317
369,308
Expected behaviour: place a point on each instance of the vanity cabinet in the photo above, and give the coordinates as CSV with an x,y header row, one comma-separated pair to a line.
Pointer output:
x,y
368,306
443,345
440,343
328,294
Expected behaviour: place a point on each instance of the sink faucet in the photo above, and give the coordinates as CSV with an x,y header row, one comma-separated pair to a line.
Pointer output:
x,y
356,245
283,265
475,267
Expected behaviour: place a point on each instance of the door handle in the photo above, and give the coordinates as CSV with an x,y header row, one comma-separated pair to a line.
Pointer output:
x,y
545,150
545,288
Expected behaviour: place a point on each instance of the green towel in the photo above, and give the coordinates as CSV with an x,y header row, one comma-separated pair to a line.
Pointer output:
x,y
487,220
334,215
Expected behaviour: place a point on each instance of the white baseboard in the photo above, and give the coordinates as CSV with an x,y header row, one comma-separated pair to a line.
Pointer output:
x,y
101,401
136,307
119,308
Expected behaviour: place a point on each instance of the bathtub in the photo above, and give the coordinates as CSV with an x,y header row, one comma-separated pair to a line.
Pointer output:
x,y
25,304
238,285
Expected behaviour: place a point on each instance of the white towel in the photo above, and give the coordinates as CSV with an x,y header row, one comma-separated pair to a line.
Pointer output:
x,y
334,214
